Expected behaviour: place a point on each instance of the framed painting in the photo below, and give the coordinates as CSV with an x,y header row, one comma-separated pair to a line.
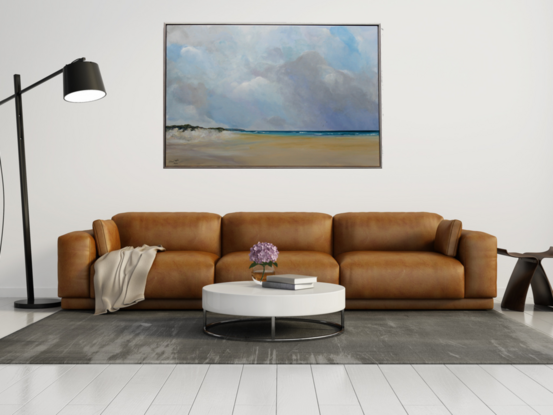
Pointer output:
x,y
272,96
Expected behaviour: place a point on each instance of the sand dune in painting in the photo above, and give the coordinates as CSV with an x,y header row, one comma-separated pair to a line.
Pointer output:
x,y
236,149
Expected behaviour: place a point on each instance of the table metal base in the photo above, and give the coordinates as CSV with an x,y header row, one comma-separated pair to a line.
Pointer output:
x,y
340,328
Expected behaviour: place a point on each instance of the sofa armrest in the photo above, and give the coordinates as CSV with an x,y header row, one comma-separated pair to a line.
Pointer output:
x,y
76,254
107,237
478,253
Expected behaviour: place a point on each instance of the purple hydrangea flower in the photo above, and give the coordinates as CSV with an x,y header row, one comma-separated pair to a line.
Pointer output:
x,y
263,252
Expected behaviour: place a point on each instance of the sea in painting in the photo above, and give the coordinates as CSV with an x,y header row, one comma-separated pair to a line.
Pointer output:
x,y
272,96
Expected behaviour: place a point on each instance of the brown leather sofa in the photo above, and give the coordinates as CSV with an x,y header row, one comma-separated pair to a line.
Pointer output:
x,y
385,260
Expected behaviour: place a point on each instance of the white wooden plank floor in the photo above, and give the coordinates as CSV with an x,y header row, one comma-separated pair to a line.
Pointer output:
x,y
275,389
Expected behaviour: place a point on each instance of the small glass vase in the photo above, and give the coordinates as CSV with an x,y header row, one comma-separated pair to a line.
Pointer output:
x,y
257,273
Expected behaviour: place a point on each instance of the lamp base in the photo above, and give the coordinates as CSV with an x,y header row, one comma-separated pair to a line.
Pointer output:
x,y
38,303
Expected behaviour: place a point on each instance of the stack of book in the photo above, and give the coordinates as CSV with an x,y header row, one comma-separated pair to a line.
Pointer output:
x,y
289,282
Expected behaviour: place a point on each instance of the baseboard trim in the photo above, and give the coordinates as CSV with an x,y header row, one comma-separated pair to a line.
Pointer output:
x,y
50,292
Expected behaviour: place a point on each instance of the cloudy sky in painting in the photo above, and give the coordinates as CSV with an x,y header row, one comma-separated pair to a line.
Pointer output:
x,y
288,78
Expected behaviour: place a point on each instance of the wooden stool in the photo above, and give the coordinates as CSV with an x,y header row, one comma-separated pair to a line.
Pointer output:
x,y
528,270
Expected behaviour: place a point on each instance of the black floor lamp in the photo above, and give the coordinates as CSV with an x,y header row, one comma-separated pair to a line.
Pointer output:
x,y
82,82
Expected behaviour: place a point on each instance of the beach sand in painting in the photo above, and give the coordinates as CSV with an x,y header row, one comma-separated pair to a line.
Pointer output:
x,y
235,149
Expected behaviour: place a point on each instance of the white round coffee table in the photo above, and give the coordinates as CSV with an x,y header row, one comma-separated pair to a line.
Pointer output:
x,y
245,298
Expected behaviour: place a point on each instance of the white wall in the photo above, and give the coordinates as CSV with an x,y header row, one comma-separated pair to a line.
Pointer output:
x,y
467,125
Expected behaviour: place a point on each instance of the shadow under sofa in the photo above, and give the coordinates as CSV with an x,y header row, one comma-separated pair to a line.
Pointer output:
x,y
389,260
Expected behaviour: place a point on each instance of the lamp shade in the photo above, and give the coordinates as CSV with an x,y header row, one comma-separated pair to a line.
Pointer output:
x,y
82,82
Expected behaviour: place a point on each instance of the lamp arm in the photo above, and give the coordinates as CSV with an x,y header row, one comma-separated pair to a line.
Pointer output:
x,y
33,85
39,82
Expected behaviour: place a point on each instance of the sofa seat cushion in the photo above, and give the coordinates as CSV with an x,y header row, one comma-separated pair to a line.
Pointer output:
x,y
234,266
178,275
401,275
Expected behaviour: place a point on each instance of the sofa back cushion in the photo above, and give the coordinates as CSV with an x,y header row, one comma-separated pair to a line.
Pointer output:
x,y
182,231
447,237
106,235
385,231
289,231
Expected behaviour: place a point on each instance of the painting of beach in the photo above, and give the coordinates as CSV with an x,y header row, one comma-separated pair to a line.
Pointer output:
x,y
272,96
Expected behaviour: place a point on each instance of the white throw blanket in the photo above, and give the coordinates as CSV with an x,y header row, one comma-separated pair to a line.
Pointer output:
x,y
120,277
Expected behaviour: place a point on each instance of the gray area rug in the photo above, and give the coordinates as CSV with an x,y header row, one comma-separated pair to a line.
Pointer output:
x,y
370,337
